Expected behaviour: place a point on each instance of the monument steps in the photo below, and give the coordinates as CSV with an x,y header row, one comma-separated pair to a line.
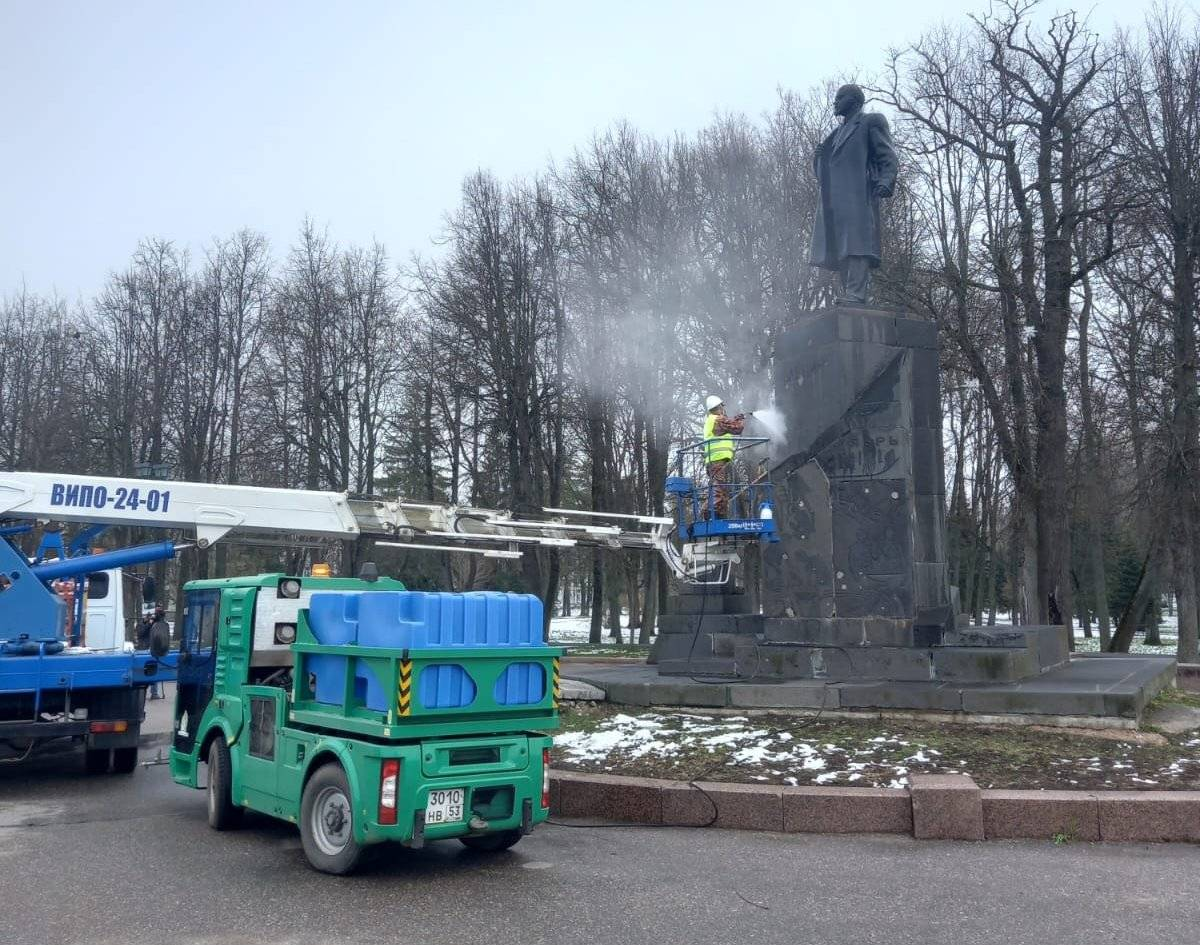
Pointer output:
x,y
699,666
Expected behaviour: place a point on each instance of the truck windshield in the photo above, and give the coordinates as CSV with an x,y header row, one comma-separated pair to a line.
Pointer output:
x,y
200,621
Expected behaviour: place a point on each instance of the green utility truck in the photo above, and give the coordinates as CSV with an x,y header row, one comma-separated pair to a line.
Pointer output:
x,y
366,713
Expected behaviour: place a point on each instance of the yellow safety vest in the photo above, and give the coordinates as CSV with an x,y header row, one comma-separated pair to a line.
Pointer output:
x,y
716,448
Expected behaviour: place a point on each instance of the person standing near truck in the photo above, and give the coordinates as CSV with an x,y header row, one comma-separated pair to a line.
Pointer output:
x,y
152,623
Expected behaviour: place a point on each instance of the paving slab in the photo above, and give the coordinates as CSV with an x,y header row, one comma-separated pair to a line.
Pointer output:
x,y
693,693
846,810
946,807
627,693
684,805
1150,815
930,696
1106,687
792,695
1041,815
607,797
1175,719
681,670
735,806
575,690
942,807
977,663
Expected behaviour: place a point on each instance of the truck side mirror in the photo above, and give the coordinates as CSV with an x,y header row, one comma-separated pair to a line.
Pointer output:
x,y
160,641
149,587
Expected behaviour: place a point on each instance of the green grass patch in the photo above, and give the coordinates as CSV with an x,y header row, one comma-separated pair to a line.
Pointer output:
x,y
1172,696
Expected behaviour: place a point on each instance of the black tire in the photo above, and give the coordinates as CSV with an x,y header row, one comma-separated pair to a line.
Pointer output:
x,y
223,814
125,760
327,823
492,842
95,760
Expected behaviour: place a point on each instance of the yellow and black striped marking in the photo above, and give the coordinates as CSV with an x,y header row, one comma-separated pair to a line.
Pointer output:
x,y
405,687
556,684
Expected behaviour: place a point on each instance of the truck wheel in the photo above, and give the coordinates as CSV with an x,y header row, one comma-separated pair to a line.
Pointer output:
x,y
95,760
492,842
223,814
125,759
327,822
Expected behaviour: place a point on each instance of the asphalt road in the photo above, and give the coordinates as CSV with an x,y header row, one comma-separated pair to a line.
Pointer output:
x,y
131,860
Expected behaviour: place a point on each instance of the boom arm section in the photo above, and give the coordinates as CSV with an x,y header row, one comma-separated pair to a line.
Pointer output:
x,y
212,511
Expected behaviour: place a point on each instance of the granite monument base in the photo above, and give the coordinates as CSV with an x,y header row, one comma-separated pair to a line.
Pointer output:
x,y
708,653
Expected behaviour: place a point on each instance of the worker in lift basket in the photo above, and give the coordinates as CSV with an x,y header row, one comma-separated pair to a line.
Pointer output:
x,y
719,449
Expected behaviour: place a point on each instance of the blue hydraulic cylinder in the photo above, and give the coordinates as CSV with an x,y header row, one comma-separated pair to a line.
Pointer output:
x,y
81,544
104,561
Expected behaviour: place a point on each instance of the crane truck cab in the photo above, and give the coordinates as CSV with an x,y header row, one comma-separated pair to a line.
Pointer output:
x,y
112,603
366,713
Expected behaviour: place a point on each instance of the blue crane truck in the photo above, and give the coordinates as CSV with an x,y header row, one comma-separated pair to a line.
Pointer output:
x,y
51,687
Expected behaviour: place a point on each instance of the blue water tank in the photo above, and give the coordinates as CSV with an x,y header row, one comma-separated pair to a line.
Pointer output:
x,y
329,677
446,686
369,688
521,684
333,618
427,620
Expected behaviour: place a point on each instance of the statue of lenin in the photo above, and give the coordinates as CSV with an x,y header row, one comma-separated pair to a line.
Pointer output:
x,y
856,168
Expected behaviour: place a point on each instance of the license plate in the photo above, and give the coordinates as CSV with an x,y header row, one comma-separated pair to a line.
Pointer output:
x,y
445,806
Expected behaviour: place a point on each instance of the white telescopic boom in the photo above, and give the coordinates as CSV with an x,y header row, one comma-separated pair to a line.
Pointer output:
x,y
213,510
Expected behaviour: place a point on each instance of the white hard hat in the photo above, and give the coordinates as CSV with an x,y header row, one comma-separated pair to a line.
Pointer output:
x,y
712,402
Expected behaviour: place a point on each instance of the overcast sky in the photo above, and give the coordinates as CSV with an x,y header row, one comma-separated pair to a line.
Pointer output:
x,y
188,121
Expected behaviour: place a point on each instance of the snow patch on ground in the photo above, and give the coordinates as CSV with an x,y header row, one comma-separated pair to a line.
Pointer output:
x,y
567,631
754,751
757,749
636,737
570,629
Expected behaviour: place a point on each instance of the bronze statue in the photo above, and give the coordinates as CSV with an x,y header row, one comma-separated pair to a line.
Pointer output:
x,y
856,168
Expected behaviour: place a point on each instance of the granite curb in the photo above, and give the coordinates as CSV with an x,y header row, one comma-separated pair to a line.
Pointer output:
x,y
944,807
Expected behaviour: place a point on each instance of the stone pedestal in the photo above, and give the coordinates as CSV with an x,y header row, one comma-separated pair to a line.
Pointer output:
x,y
859,481
856,608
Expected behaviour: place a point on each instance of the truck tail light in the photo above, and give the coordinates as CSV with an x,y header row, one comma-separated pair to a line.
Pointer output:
x,y
389,786
546,778
105,728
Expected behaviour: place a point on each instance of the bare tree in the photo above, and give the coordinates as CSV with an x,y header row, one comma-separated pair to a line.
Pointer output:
x,y
1160,112
1034,111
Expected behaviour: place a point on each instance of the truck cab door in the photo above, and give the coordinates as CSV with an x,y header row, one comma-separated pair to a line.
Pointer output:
x,y
259,748
103,623
197,666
